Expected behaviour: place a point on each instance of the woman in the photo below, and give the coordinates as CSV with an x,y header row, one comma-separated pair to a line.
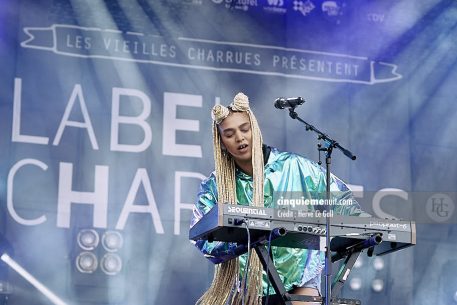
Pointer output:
x,y
250,173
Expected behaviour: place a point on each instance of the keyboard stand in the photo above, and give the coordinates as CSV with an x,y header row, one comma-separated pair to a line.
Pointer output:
x,y
282,297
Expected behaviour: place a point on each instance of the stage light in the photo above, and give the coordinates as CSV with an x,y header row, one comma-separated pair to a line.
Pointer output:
x,y
88,239
378,263
112,241
377,285
355,283
111,263
5,288
97,276
86,262
32,280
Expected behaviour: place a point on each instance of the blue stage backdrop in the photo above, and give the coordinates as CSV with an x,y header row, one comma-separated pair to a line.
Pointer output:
x,y
105,134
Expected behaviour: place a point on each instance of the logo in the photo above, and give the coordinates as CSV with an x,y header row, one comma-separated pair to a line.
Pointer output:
x,y
376,17
276,2
264,224
390,226
304,7
331,8
237,4
245,210
179,3
440,207
275,6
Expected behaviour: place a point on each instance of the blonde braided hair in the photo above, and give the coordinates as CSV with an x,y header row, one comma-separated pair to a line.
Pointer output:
x,y
227,274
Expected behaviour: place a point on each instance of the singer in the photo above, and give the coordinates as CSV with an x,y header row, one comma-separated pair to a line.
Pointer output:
x,y
248,172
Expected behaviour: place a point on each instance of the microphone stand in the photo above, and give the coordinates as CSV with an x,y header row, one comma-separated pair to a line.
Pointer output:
x,y
330,145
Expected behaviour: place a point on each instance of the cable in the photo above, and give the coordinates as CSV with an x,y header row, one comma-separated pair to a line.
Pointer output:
x,y
268,263
246,267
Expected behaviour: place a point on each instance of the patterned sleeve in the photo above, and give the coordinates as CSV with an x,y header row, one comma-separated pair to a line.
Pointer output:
x,y
216,251
314,179
346,203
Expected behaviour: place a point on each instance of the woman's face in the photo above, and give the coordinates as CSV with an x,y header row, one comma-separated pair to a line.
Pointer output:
x,y
236,136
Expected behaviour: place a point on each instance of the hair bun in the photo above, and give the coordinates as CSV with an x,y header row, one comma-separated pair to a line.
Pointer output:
x,y
219,113
240,102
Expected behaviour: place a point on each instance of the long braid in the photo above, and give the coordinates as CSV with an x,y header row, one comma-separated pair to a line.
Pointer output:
x,y
257,161
227,274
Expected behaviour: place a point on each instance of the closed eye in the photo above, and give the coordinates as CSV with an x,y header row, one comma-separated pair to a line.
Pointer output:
x,y
228,134
245,127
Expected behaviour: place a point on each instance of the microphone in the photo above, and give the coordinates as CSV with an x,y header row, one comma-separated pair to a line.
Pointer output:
x,y
290,102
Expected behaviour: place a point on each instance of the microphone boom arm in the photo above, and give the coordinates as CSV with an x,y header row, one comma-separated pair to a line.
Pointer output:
x,y
331,144
322,136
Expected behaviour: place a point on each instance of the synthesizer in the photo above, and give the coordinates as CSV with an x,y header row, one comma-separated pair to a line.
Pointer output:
x,y
301,229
